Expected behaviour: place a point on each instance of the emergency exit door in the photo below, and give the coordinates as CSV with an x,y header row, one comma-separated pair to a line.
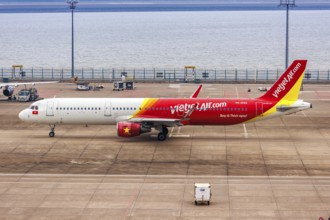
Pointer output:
x,y
107,109
259,108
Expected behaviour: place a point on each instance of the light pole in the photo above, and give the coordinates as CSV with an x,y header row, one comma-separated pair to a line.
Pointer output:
x,y
287,4
72,5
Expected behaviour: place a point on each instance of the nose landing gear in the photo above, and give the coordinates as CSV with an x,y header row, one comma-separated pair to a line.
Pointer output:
x,y
52,131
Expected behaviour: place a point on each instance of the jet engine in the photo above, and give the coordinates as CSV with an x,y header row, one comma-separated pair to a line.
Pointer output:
x,y
8,91
128,129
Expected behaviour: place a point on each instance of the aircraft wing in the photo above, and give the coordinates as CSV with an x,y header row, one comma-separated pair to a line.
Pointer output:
x,y
169,122
24,83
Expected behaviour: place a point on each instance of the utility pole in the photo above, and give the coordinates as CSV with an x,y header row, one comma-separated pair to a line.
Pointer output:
x,y
287,4
72,6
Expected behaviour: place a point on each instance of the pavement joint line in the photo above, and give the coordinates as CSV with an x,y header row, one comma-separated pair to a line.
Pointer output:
x,y
168,176
135,198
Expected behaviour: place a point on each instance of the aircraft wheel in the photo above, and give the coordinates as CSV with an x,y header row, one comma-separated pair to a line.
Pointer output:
x,y
161,136
51,134
165,130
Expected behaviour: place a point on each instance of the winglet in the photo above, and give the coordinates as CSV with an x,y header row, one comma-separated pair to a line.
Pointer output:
x,y
288,85
195,94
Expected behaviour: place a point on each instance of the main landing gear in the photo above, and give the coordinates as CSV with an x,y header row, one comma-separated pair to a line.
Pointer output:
x,y
163,134
52,131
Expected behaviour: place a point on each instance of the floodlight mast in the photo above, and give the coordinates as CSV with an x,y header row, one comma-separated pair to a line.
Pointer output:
x,y
72,6
287,4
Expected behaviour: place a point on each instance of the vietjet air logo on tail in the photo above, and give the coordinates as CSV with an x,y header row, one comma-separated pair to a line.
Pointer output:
x,y
288,85
287,79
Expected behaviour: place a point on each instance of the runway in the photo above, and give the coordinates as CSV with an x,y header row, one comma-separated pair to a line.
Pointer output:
x,y
274,169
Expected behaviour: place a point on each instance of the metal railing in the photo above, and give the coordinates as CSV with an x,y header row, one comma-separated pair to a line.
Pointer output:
x,y
159,75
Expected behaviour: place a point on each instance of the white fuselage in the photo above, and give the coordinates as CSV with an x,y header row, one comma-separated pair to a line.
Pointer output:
x,y
81,110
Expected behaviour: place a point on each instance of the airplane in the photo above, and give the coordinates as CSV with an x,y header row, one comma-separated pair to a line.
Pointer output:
x,y
8,88
135,116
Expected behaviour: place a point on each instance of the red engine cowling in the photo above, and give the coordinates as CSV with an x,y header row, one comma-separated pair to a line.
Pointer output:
x,y
127,129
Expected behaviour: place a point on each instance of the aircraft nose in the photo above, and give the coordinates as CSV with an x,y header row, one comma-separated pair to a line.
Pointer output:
x,y
23,115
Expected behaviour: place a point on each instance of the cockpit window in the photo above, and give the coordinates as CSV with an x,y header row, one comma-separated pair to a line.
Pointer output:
x,y
34,107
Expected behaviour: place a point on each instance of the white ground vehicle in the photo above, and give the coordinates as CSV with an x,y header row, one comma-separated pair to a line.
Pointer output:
x,y
27,95
202,193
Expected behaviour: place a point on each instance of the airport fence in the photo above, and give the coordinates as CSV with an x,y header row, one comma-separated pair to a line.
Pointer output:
x,y
158,75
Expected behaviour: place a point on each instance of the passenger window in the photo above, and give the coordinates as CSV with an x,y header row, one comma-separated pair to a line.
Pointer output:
x,y
36,108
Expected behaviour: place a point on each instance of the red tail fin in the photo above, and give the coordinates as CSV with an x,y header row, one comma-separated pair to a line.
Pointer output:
x,y
288,85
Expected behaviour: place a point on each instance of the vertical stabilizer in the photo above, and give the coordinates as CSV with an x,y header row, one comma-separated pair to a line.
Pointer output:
x,y
288,85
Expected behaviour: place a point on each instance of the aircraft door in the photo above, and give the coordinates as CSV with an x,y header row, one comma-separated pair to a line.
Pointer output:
x,y
181,112
107,110
259,109
50,109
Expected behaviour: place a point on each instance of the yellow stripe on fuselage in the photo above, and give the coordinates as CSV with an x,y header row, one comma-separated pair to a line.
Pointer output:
x,y
147,103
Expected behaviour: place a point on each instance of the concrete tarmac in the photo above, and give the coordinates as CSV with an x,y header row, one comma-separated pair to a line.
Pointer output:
x,y
273,169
